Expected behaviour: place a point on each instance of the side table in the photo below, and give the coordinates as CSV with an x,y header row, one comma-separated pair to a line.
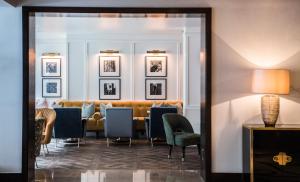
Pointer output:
x,y
271,153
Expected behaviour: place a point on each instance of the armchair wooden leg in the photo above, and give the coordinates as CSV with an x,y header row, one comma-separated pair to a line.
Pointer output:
x,y
78,141
130,142
170,151
183,154
199,149
97,134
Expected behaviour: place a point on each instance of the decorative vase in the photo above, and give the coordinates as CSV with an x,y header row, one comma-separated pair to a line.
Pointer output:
x,y
270,109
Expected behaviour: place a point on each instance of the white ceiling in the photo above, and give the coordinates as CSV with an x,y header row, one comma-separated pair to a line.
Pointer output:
x,y
112,25
154,3
150,3
118,3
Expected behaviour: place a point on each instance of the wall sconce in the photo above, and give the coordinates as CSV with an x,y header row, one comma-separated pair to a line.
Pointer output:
x,y
109,52
156,52
51,54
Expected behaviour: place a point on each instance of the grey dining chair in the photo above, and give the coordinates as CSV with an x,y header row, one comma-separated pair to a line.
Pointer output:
x,y
118,123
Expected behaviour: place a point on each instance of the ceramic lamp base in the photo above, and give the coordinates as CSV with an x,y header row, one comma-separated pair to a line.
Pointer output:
x,y
270,109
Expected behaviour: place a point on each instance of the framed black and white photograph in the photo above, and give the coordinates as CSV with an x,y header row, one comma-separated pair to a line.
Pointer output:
x,y
156,89
110,89
156,66
51,87
109,66
51,67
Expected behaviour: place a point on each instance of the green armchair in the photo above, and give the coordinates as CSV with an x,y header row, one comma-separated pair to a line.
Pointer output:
x,y
179,132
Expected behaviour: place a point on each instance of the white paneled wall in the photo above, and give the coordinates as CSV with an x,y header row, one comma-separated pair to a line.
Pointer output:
x,y
192,73
94,48
50,46
173,87
182,48
77,70
81,69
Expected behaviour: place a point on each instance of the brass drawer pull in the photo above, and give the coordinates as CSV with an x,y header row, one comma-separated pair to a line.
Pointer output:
x,y
282,159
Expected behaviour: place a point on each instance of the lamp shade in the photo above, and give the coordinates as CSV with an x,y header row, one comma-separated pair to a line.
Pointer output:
x,y
271,81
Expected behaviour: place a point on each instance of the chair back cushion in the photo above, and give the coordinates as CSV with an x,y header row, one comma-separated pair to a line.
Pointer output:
x,y
103,108
140,108
175,123
68,123
118,122
156,123
87,110
179,123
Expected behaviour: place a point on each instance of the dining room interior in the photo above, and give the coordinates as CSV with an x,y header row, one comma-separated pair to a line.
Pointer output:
x,y
118,91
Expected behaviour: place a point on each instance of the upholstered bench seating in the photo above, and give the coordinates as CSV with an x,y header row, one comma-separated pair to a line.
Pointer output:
x,y
140,108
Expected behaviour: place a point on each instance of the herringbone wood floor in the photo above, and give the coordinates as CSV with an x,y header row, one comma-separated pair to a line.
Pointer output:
x,y
96,155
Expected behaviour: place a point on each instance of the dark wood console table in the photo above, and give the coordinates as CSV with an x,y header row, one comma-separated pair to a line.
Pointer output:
x,y
271,154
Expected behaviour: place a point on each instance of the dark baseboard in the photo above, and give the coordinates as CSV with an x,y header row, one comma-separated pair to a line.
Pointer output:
x,y
11,177
223,177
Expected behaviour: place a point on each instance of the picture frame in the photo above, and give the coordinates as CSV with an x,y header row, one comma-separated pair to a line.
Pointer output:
x,y
155,89
51,67
156,66
51,87
109,66
110,89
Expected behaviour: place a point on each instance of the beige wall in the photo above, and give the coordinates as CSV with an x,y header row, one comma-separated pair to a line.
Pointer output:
x,y
245,37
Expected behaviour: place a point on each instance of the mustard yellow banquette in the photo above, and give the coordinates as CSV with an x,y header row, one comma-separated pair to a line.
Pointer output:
x,y
140,108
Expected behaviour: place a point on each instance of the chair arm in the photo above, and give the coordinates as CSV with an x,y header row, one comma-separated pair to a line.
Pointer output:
x,y
48,133
100,122
97,116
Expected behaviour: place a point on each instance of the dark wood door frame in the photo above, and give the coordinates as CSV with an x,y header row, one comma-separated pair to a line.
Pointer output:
x,y
29,85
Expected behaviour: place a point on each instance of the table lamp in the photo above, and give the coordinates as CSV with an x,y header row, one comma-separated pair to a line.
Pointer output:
x,y
272,82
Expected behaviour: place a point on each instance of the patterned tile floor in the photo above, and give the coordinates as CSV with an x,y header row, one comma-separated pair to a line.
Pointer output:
x,y
118,162
96,155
